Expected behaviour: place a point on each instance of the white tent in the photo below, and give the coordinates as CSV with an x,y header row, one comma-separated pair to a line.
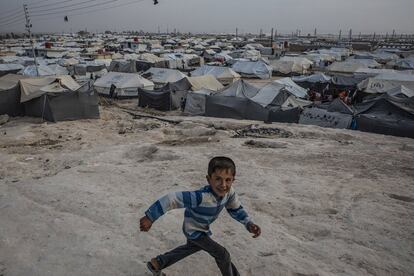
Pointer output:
x,y
257,69
315,78
126,84
35,87
206,82
224,75
287,65
164,75
292,87
345,67
44,70
383,83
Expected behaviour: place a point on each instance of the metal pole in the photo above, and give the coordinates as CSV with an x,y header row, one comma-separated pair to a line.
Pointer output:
x,y
28,26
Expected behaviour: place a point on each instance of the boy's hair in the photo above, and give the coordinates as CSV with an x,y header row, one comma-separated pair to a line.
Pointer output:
x,y
221,163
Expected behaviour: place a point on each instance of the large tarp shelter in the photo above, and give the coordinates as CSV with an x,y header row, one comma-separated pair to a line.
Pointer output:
x,y
335,114
253,69
31,88
124,66
236,108
195,103
241,89
224,75
401,91
163,75
318,82
324,118
292,87
387,115
10,69
160,100
126,84
65,105
10,95
44,70
349,66
386,82
291,65
207,82
168,97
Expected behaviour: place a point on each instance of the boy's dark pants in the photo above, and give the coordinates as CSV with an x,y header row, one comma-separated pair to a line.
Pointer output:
x,y
218,252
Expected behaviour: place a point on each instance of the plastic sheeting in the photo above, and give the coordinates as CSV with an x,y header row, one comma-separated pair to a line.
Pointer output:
x,y
386,82
207,82
236,108
240,89
224,75
71,105
157,100
324,118
163,75
35,87
258,69
126,84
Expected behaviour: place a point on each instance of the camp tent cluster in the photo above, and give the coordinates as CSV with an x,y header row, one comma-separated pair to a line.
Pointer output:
x,y
216,76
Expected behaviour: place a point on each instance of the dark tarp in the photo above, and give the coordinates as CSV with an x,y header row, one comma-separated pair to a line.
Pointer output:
x,y
195,104
177,92
123,66
70,105
236,108
324,118
336,105
347,82
160,100
240,88
142,66
181,85
387,115
10,102
11,71
290,115
381,125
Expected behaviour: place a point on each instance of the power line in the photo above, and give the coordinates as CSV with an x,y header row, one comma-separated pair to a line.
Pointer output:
x,y
2,22
47,5
95,10
12,11
16,21
11,15
51,4
75,9
67,6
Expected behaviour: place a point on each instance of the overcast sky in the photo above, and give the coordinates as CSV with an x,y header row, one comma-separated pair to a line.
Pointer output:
x,y
328,16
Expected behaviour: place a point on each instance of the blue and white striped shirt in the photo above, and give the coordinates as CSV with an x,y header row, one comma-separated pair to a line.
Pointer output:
x,y
202,207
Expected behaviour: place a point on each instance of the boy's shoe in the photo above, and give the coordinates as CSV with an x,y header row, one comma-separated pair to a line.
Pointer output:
x,y
153,271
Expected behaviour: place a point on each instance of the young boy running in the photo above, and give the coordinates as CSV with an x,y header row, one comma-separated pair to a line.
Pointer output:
x,y
202,207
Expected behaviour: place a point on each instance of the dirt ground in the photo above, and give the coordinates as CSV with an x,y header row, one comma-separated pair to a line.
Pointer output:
x,y
330,202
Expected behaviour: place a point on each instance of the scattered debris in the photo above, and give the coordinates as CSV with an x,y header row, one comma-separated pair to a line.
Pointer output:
x,y
265,144
262,132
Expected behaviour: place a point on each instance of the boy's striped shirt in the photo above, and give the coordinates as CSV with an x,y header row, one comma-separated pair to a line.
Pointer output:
x,y
202,207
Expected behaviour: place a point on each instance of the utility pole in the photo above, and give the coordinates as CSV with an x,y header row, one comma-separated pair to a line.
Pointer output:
x,y
28,26
340,34
271,40
314,33
237,33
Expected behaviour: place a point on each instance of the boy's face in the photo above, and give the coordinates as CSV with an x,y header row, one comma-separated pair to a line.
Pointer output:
x,y
221,181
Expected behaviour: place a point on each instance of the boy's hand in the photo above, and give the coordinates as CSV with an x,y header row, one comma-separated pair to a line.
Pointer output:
x,y
255,229
145,224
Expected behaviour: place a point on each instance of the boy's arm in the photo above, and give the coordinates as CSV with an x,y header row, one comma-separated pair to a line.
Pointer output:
x,y
236,211
173,201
